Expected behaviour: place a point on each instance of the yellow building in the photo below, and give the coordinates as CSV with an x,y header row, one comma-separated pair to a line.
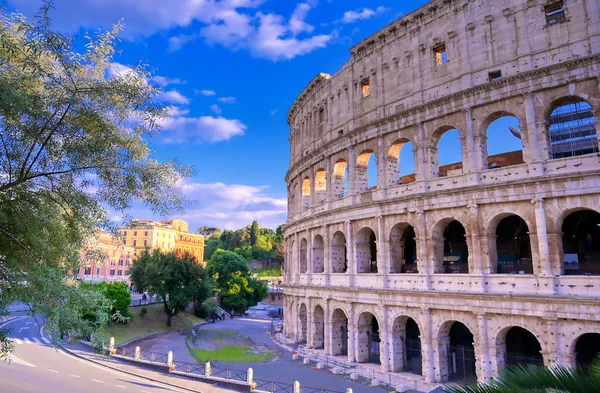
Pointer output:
x,y
167,235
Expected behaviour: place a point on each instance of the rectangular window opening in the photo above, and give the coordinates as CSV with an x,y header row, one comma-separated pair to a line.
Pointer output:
x,y
441,55
555,12
366,87
321,115
495,75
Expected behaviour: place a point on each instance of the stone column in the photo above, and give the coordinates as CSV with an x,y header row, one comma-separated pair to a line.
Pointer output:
x,y
351,174
483,367
296,319
329,181
554,348
326,255
296,259
476,255
384,349
382,178
424,263
545,268
472,164
382,252
429,347
498,362
327,333
309,256
351,335
310,329
422,166
531,144
350,253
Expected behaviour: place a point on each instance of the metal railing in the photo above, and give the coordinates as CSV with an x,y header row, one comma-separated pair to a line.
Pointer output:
x,y
227,373
153,357
272,386
190,368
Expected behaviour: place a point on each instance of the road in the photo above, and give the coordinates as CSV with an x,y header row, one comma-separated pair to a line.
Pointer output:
x,y
36,366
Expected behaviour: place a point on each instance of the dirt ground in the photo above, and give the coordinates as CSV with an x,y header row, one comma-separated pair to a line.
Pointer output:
x,y
163,343
214,340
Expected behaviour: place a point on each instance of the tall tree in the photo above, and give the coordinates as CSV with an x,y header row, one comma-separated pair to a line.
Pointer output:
x,y
177,280
254,233
72,143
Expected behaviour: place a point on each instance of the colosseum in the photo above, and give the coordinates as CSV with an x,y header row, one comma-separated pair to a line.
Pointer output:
x,y
444,196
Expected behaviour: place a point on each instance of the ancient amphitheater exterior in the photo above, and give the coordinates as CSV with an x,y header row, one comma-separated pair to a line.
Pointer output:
x,y
463,268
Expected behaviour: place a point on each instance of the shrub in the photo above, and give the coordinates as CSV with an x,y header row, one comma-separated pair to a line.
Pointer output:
x,y
143,312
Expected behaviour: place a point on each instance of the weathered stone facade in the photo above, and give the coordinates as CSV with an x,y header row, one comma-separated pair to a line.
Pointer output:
x,y
461,271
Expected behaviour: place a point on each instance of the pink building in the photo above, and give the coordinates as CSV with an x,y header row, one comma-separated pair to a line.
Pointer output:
x,y
107,259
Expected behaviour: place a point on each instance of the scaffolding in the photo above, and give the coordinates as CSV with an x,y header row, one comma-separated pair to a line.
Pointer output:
x,y
573,130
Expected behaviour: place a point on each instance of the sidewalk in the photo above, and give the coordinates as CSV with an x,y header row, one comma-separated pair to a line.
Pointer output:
x,y
189,384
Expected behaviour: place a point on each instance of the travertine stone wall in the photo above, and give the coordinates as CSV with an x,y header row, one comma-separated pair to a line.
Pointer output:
x,y
334,131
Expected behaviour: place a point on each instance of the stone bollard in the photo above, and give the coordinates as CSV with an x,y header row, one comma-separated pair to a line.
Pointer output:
x,y
306,361
348,390
207,369
111,346
402,388
353,376
170,361
336,370
295,356
250,378
374,382
138,353
319,366
297,387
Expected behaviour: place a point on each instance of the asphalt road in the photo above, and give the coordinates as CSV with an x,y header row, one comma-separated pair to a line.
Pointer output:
x,y
36,366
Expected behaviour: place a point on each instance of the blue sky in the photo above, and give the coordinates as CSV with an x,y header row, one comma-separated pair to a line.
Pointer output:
x,y
232,68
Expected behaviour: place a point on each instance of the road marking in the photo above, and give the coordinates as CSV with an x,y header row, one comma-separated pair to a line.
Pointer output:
x,y
120,386
144,391
15,359
95,380
74,376
52,371
27,340
17,340
24,327
44,339
36,340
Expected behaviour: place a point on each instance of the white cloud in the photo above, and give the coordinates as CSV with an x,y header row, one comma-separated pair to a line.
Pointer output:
x,y
117,69
216,109
173,96
297,24
177,42
181,129
206,93
227,100
362,14
165,81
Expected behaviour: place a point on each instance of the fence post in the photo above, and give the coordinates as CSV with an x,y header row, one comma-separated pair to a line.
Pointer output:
x,y
170,361
250,377
348,390
137,353
111,346
297,387
207,369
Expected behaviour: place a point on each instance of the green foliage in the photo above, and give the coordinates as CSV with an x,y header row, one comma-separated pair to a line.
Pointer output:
x,y
232,354
118,294
176,280
143,312
71,140
206,309
534,379
254,233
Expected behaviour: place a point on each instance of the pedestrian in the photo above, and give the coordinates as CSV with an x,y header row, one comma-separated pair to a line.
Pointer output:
x,y
232,313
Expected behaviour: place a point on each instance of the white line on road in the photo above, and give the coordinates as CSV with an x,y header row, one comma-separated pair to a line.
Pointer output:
x,y
74,376
36,340
17,340
52,371
120,386
27,340
44,339
144,391
24,327
95,380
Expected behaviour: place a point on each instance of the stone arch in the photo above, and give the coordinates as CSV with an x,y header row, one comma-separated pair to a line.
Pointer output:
x,y
367,339
519,346
457,357
339,253
507,140
340,178
448,166
320,186
302,323
318,254
395,162
403,249
361,176
406,352
318,327
339,336
511,250
366,251
580,242
571,128
450,248
303,256
584,349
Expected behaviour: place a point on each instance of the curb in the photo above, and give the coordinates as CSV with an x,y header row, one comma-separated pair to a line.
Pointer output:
x,y
126,372
138,339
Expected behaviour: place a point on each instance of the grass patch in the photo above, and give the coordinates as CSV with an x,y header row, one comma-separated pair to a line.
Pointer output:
x,y
232,354
267,273
154,321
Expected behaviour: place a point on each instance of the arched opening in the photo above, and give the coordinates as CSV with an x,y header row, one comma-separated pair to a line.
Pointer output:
x,y
504,145
306,193
340,179
513,247
366,171
403,249
339,336
303,256
368,339
572,128
401,163
321,186
366,251
318,254
522,348
339,253
319,327
303,319
456,251
581,243
449,154
406,346
461,362
586,350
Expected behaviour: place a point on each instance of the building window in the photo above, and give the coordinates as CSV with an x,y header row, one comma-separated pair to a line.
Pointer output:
x,y
441,56
112,262
126,272
145,242
366,87
120,262
127,262
135,243
98,270
124,233
112,272
88,270
555,13
119,272
145,233
495,75
321,115
134,233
